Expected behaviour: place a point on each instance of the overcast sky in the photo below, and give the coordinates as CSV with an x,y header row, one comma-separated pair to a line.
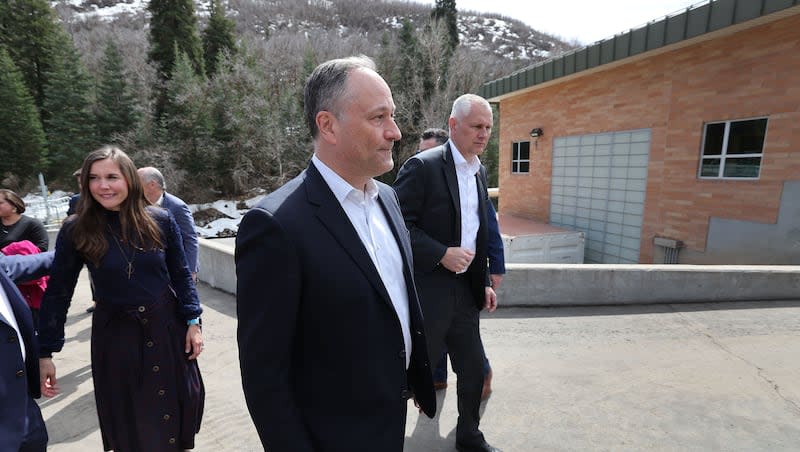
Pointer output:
x,y
586,21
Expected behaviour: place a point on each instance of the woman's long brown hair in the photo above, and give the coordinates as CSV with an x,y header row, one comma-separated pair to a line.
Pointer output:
x,y
137,226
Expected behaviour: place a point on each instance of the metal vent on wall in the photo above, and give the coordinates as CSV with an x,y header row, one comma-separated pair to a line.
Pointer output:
x,y
671,248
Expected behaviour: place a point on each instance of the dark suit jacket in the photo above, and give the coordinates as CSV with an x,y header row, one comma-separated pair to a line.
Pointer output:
x,y
497,257
19,381
427,186
183,216
320,346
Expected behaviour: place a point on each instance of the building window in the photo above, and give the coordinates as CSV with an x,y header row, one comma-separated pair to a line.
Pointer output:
x,y
521,157
733,149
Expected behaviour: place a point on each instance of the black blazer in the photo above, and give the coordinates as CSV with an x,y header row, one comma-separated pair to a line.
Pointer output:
x,y
427,186
19,381
320,346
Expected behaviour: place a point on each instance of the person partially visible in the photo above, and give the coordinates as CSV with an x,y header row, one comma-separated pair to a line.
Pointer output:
x,y
73,200
32,290
155,190
444,199
15,227
431,138
22,427
497,268
331,335
146,328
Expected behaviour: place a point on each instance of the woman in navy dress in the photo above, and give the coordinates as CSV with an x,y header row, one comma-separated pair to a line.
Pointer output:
x,y
145,330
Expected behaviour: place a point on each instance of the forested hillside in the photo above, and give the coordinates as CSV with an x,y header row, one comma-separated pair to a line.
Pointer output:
x,y
211,92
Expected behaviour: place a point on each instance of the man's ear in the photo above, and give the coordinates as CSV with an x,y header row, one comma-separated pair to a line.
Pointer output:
x,y
326,124
451,122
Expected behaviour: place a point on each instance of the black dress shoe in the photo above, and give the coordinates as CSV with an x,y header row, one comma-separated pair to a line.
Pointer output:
x,y
481,447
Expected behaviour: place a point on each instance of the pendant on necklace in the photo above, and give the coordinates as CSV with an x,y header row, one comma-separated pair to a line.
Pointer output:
x,y
130,269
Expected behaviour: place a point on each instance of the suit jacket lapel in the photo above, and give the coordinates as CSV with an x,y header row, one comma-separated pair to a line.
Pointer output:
x,y
452,186
334,218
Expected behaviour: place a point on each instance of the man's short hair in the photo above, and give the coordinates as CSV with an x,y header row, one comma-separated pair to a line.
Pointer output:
x,y
440,135
463,105
325,87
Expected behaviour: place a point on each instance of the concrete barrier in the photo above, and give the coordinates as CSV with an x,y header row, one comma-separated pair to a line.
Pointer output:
x,y
603,284
590,284
217,267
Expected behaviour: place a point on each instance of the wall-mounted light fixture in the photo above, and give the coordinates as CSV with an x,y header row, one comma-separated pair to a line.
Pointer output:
x,y
537,132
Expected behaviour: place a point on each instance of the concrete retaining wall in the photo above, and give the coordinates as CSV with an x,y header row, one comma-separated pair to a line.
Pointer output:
x,y
217,267
590,284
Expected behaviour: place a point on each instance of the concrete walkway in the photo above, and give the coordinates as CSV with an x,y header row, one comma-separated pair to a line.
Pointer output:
x,y
722,376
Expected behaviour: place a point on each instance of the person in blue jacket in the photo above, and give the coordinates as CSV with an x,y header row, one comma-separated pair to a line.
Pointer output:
x,y
155,190
21,425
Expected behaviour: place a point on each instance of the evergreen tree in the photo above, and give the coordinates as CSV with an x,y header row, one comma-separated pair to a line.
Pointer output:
x,y
264,141
173,25
445,10
69,126
217,37
173,28
115,111
188,120
28,30
22,141
409,93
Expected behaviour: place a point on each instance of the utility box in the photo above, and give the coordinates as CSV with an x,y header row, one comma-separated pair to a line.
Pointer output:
x,y
529,242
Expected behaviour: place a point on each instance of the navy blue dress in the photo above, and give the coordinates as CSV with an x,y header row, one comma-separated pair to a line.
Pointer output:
x,y
149,396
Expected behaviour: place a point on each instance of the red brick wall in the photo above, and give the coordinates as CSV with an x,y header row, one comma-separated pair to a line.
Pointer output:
x,y
754,72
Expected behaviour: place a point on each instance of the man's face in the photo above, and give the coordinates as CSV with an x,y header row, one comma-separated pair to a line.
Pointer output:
x,y
471,133
365,127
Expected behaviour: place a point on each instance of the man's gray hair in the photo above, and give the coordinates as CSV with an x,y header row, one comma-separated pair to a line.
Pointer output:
x,y
463,105
324,88
153,174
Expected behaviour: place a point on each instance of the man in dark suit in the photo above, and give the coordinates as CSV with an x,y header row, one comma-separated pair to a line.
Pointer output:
x,y
331,337
155,190
497,266
21,425
444,200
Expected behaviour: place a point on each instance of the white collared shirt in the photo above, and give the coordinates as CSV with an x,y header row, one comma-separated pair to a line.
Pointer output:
x,y
468,196
8,312
369,221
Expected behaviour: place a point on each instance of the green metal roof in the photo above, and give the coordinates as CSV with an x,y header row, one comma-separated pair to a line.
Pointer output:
x,y
695,21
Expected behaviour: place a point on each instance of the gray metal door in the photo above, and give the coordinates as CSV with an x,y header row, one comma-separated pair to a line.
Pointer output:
x,y
598,187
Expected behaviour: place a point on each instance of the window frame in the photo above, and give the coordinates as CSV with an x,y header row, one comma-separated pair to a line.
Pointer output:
x,y
516,159
723,157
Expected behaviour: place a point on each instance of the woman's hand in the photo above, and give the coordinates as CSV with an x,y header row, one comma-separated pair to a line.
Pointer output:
x,y
47,377
194,341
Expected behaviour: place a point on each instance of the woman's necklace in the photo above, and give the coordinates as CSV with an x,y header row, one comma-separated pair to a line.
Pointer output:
x,y
129,269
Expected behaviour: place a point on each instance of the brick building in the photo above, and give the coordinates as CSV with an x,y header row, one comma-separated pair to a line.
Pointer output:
x,y
675,142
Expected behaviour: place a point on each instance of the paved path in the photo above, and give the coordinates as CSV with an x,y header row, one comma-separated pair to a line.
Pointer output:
x,y
660,377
